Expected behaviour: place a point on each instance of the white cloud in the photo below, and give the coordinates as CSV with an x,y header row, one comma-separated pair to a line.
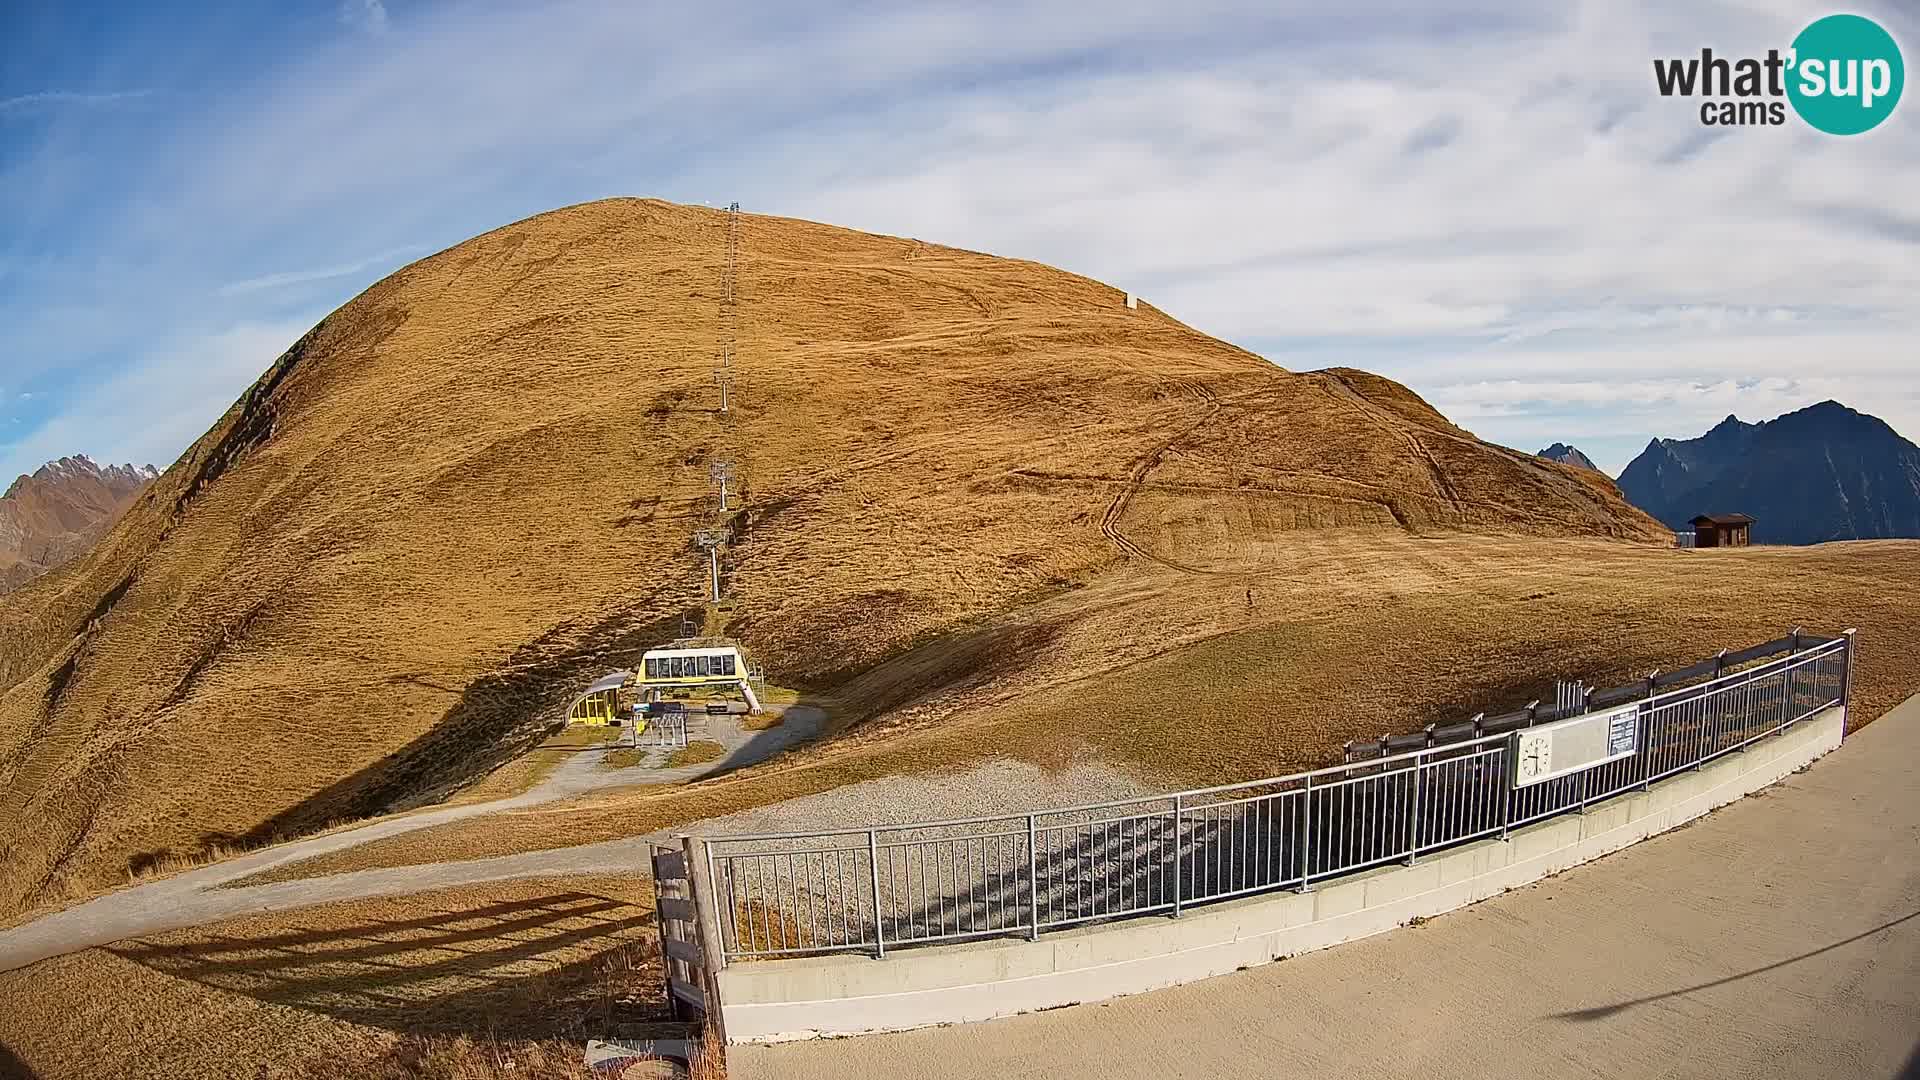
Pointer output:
x,y
301,277
46,99
151,411
1488,201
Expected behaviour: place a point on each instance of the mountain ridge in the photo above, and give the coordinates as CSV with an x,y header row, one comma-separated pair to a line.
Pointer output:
x,y
1824,472
52,515
1567,454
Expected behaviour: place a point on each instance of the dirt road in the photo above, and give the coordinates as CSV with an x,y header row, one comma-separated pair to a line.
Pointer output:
x,y
1777,937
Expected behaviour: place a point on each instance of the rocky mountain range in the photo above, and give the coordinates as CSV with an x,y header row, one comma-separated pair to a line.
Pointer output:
x,y
1823,473
1568,455
55,514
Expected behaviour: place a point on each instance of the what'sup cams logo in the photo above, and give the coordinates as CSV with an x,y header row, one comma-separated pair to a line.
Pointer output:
x,y
1842,75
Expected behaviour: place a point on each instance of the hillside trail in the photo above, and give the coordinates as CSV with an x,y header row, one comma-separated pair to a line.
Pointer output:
x,y
196,897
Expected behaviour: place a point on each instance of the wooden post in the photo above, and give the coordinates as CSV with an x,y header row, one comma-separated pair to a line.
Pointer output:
x,y
712,947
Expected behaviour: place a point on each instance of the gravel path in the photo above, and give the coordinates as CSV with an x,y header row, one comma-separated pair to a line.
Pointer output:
x,y
996,787
195,898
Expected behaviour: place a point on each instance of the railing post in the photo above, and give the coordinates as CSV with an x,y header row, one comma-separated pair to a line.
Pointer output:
x,y
1846,683
1506,788
873,875
1033,881
1644,740
1413,814
1179,859
1786,685
1306,839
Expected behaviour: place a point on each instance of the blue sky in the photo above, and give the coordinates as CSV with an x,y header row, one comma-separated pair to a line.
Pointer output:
x,y
1487,201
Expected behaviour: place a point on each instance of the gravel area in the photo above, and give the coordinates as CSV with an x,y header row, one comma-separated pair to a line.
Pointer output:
x,y
997,787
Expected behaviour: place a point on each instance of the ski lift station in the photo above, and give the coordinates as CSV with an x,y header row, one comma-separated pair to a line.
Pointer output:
x,y
682,666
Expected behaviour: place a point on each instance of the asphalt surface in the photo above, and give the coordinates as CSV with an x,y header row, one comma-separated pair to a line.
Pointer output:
x,y
1777,937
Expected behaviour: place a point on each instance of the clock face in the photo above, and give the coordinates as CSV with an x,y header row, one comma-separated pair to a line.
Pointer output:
x,y
1536,756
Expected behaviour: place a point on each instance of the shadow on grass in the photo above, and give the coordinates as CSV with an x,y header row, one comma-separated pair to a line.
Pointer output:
x,y
567,965
498,718
12,1068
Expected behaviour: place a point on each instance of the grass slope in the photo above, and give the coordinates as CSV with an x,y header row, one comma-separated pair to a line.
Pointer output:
x,y
1362,639
470,490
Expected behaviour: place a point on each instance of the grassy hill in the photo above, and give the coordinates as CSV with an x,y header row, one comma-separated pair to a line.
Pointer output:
x,y
472,488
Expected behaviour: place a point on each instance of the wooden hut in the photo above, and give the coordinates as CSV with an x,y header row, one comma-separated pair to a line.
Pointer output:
x,y
1722,530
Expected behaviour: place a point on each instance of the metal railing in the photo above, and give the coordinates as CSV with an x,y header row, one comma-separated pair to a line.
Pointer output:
x,y
666,730
872,889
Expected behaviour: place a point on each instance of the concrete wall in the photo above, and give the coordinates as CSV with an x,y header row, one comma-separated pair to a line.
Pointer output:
x,y
846,995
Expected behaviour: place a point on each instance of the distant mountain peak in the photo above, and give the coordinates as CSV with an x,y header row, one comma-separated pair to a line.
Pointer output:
x,y
54,514
1568,455
1824,472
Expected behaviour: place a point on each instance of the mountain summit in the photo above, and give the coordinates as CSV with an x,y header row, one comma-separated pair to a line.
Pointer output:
x,y
53,515
1825,472
1568,455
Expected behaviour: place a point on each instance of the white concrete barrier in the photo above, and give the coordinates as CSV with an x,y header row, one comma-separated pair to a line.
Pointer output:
x,y
771,1001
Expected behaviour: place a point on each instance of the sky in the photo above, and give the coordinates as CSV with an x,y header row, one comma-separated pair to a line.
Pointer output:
x,y
1487,201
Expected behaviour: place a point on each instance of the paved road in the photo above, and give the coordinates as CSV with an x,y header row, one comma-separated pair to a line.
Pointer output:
x,y
195,898
1778,937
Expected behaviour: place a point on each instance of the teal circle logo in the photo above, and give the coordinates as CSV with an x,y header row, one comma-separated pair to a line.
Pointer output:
x,y
1845,74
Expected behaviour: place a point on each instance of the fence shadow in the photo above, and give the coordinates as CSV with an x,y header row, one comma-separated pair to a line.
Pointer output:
x,y
1018,874
560,965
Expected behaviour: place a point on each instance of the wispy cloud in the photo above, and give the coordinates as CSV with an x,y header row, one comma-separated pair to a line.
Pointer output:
x,y
301,277
50,99
150,410
367,15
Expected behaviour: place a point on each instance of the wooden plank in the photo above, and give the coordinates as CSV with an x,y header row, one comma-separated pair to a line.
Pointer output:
x,y
687,993
671,865
681,910
682,950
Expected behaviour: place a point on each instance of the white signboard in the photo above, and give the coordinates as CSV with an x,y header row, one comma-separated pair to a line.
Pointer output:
x,y
1569,746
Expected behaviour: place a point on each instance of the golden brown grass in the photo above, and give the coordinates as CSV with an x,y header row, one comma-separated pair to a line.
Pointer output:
x,y
1176,678
455,983
697,752
624,758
